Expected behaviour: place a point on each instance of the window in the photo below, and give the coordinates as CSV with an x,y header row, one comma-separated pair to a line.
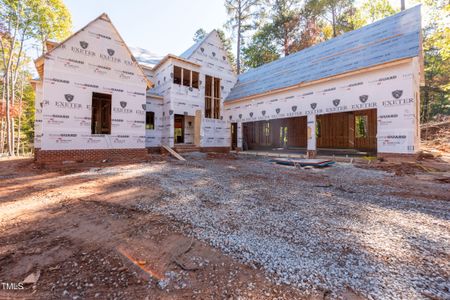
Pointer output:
x,y
150,120
195,79
361,123
186,77
212,97
101,114
208,96
177,75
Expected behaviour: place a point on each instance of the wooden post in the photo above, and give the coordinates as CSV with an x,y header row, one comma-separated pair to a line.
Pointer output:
x,y
311,148
197,128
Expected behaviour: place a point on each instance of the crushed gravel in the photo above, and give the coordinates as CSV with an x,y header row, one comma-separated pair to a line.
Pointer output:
x,y
322,229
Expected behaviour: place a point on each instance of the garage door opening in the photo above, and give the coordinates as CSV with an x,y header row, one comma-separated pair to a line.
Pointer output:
x,y
348,130
289,133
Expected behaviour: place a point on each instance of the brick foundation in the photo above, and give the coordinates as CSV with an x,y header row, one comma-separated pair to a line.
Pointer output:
x,y
91,155
154,150
397,156
215,149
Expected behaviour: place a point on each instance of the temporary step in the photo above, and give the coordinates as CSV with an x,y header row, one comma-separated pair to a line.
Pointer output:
x,y
173,153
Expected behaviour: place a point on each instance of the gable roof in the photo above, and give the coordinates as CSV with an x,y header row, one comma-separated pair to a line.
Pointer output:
x,y
390,39
39,62
191,50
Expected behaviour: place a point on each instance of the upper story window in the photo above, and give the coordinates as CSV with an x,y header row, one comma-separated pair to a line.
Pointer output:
x,y
212,97
185,77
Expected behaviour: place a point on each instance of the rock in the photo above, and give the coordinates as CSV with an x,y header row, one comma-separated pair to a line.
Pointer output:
x,y
32,278
162,284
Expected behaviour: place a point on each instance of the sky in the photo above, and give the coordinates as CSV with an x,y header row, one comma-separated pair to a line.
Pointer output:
x,y
161,26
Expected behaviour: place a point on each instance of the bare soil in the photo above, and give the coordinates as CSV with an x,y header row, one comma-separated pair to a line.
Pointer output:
x,y
94,231
85,239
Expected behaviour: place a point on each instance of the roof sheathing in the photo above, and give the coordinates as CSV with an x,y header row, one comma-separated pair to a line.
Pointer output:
x,y
391,39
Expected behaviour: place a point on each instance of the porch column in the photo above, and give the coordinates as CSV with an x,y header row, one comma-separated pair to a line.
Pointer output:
x,y
239,136
311,149
197,128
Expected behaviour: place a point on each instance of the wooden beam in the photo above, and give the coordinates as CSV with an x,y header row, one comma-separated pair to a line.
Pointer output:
x,y
173,153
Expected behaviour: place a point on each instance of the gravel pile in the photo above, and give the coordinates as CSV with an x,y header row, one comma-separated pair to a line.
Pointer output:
x,y
329,229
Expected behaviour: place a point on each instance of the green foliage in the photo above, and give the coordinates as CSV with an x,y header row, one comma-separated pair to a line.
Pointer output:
x,y
23,22
242,17
435,99
371,11
261,49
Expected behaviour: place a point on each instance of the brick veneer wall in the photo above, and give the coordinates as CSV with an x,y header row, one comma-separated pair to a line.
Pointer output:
x,y
58,156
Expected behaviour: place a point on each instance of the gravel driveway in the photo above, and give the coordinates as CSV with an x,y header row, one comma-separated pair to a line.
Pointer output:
x,y
380,235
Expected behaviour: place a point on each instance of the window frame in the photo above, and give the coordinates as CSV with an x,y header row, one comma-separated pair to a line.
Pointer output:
x,y
102,101
182,81
147,113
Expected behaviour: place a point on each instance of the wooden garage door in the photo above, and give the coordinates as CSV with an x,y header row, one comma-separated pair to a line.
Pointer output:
x,y
348,130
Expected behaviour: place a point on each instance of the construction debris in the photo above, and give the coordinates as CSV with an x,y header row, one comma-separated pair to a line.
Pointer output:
x,y
316,163
173,153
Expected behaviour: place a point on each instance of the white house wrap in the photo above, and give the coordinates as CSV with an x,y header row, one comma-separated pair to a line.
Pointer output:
x,y
357,91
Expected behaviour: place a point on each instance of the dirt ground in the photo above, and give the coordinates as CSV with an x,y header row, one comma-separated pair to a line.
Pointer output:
x,y
85,240
86,231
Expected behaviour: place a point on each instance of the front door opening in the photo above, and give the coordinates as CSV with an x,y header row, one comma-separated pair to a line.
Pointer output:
x,y
233,136
179,129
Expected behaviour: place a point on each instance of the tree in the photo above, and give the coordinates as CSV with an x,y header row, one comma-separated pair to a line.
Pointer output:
x,y
336,12
241,13
199,35
23,21
371,11
54,21
435,99
262,49
286,23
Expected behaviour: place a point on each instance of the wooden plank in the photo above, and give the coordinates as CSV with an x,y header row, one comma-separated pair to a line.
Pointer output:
x,y
173,153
